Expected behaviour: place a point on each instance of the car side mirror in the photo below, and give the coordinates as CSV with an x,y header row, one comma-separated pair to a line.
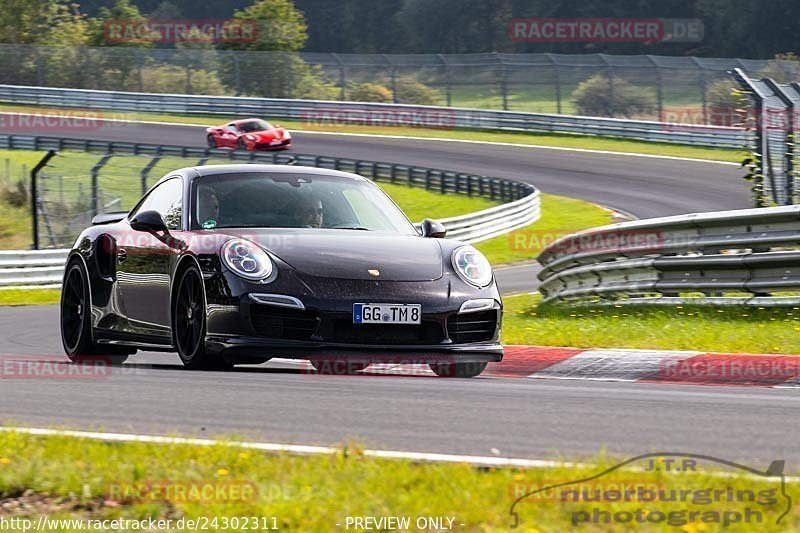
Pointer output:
x,y
433,229
148,221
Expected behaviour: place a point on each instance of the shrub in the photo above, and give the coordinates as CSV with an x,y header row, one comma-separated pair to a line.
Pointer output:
x,y
312,84
783,68
16,196
723,98
172,79
412,91
596,96
370,92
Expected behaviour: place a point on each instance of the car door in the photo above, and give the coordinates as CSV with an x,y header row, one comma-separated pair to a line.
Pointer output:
x,y
145,260
230,135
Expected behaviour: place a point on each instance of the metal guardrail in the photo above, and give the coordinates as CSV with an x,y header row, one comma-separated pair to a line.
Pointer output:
x,y
748,256
522,205
34,268
320,111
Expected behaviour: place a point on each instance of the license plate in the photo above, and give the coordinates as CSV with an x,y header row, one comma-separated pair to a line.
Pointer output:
x,y
387,314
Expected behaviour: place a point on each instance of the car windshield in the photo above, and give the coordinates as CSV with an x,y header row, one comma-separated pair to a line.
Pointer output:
x,y
275,200
254,125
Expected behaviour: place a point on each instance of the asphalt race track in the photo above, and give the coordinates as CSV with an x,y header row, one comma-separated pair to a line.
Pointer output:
x,y
524,418
279,402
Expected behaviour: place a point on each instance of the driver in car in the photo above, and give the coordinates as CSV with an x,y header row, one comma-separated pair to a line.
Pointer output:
x,y
208,209
311,212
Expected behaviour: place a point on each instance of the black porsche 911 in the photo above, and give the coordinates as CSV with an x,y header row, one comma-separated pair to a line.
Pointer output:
x,y
236,264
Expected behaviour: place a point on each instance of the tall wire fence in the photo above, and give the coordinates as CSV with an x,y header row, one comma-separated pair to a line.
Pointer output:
x,y
75,186
545,83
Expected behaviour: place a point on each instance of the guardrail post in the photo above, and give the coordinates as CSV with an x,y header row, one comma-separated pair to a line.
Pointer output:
x,y
35,193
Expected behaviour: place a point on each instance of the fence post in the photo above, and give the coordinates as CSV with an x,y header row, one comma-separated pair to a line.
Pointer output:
x,y
34,195
38,59
146,171
188,79
557,73
447,82
610,73
659,88
503,81
342,76
139,63
289,79
702,84
95,173
237,75
789,136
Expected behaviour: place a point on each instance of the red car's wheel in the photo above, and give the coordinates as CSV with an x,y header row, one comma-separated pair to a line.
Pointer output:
x,y
212,142
241,145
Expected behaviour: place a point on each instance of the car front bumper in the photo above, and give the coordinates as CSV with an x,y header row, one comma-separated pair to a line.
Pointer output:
x,y
320,324
258,348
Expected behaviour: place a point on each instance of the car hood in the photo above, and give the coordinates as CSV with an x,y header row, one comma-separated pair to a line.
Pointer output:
x,y
351,254
277,133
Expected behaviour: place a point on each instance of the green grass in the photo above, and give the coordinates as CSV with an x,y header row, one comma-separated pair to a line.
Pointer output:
x,y
560,216
29,297
418,204
540,139
64,477
714,329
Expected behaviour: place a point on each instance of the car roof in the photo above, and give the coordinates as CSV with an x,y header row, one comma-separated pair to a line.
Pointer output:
x,y
195,172
246,120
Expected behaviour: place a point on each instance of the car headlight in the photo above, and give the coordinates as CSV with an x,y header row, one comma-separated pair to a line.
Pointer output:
x,y
250,138
472,266
287,135
246,260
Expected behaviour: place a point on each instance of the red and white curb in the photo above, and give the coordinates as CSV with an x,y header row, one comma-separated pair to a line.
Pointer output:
x,y
653,366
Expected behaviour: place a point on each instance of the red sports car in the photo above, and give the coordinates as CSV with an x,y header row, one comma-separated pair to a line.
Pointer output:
x,y
249,134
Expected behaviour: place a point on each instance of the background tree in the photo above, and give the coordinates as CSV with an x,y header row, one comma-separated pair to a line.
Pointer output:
x,y
282,27
270,66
